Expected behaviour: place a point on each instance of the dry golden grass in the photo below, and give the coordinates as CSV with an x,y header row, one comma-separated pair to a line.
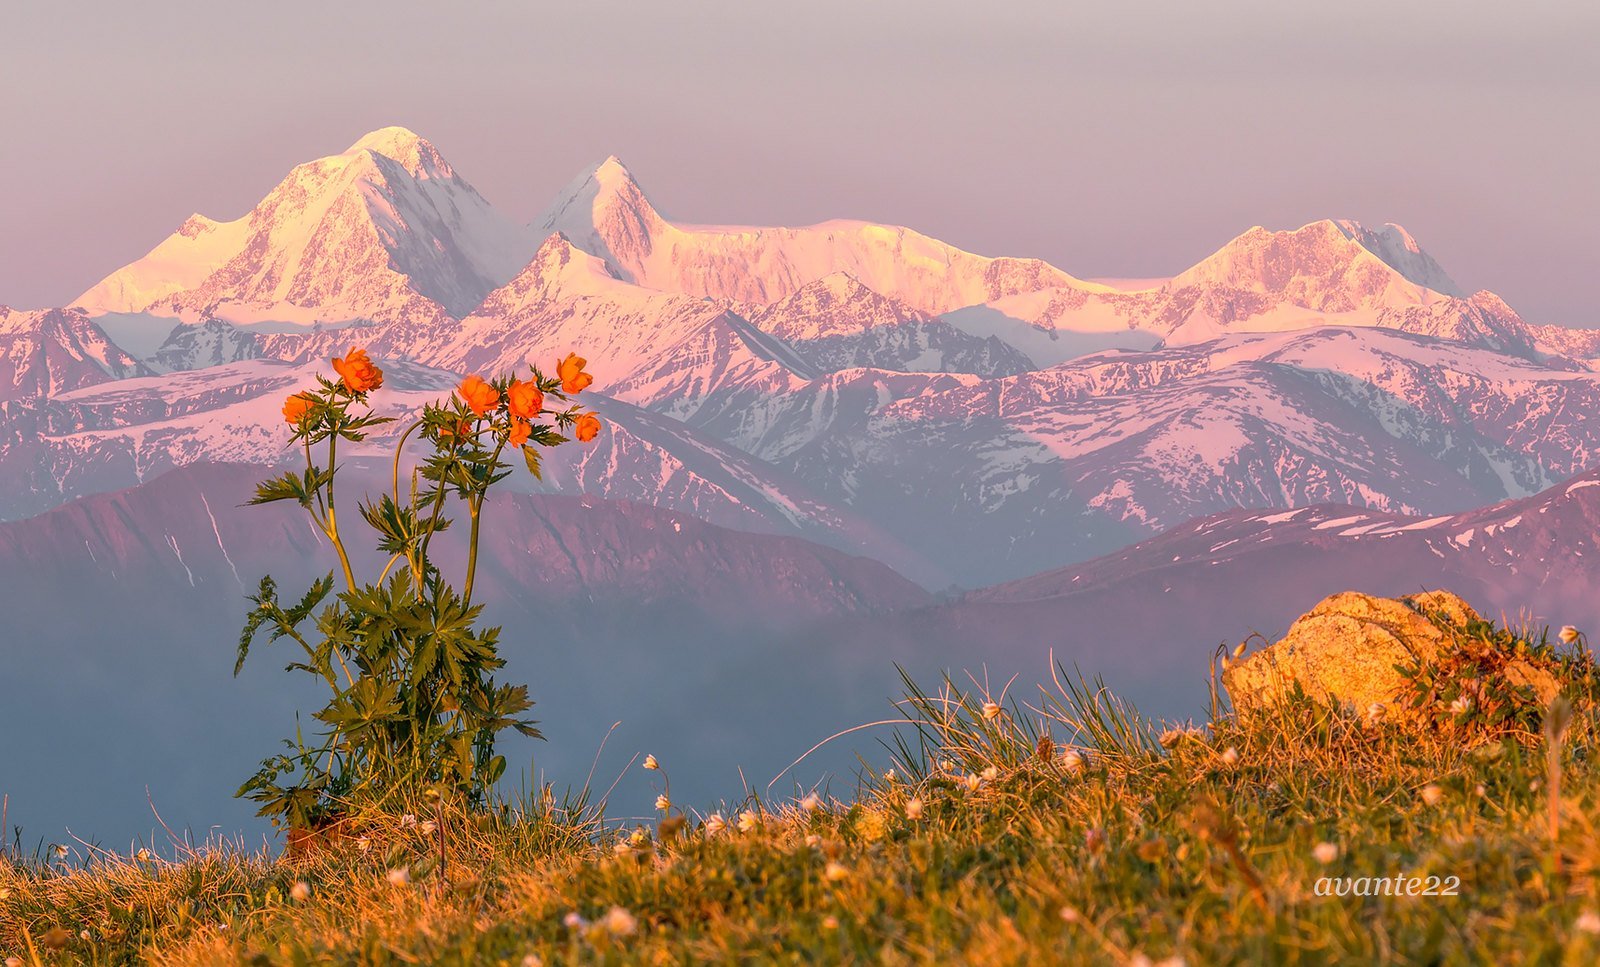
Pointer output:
x,y
996,841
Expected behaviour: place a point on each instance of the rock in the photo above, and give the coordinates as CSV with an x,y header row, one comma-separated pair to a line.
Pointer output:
x,y
1344,652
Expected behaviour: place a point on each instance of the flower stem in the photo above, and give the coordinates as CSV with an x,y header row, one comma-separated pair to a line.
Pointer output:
x,y
333,523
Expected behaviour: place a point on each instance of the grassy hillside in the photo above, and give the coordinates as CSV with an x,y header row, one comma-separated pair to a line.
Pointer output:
x,y
1062,828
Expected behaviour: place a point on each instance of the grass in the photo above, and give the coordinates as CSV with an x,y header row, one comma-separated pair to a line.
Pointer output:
x,y
1061,829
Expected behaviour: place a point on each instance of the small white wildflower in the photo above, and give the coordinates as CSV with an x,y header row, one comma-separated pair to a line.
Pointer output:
x,y
811,803
829,922
399,876
663,803
84,934
1073,761
533,960
834,872
991,774
143,855
1569,634
1070,914
1462,705
1431,794
889,776
1230,756
407,821
748,821
1325,853
427,828
813,840
946,765
715,824
619,922
972,782
58,850
1588,921
1376,712
300,892
574,921
991,710
651,763
913,809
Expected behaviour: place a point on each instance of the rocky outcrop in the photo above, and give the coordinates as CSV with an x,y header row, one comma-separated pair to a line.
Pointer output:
x,y
1348,651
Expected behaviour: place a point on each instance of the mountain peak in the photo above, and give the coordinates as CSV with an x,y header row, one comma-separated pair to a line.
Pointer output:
x,y
357,235
603,210
1398,249
413,152
1327,265
611,170
393,138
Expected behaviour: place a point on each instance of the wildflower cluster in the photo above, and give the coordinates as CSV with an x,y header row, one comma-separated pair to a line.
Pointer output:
x,y
414,702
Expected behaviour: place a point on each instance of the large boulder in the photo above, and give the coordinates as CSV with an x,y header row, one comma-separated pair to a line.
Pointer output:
x,y
1345,651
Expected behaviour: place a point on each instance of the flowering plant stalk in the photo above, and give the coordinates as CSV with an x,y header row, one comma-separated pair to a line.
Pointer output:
x,y
414,704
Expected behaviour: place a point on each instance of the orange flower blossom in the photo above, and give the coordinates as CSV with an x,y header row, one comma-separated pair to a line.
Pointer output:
x,y
296,407
357,371
573,379
519,432
479,396
587,427
524,399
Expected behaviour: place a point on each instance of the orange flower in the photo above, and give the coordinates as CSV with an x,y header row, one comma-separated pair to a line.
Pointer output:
x,y
357,371
479,396
519,432
524,399
297,407
587,427
573,379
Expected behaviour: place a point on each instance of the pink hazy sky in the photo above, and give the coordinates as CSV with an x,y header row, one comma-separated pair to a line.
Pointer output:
x,y
1126,138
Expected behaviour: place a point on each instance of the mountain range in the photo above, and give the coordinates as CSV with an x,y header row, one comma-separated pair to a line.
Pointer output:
x,y
868,445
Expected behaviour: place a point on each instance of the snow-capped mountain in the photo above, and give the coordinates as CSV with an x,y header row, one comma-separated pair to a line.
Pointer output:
x,y
1080,458
606,213
202,344
837,323
1327,273
50,351
1400,251
118,434
384,230
806,380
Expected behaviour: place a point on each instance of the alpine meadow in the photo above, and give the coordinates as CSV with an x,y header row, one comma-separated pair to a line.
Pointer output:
x,y
1156,557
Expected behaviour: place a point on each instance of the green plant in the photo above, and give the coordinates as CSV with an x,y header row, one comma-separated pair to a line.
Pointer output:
x,y
415,705
1485,681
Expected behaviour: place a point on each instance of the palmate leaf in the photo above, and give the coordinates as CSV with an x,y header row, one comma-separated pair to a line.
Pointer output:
x,y
301,487
546,436
397,526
